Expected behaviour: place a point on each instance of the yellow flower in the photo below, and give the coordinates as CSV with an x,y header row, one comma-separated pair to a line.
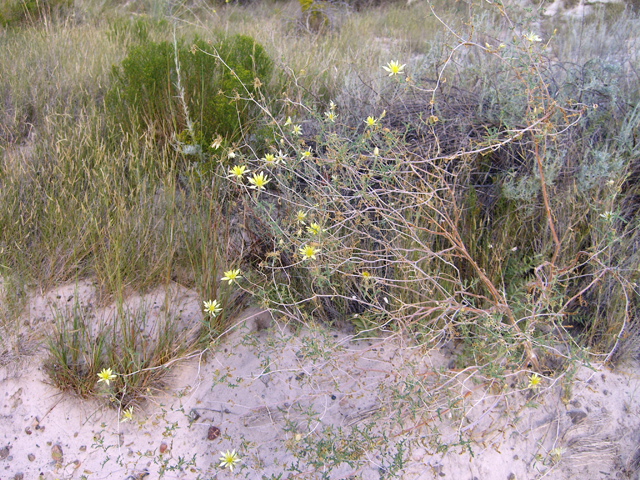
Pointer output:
x,y
237,171
231,276
608,215
296,130
394,68
269,159
259,181
212,307
366,275
532,37
106,375
314,229
534,380
127,414
331,116
371,122
228,459
288,122
332,106
307,252
301,216
306,153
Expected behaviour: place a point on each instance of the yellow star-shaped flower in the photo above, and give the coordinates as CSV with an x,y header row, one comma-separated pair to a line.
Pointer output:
x,y
301,216
238,171
212,307
314,229
309,252
534,380
259,181
331,115
394,68
270,159
127,415
229,459
106,376
371,122
231,276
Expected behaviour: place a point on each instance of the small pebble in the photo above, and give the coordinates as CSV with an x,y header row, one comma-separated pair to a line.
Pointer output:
x,y
4,453
577,416
31,457
56,453
418,453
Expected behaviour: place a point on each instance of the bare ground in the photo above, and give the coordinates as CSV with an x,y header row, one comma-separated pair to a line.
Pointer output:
x,y
303,402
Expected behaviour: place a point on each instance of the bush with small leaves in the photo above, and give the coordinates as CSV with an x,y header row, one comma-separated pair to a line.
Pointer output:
x,y
215,80
16,12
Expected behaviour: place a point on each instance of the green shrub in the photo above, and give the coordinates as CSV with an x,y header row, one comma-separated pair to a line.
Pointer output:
x,y
17,11
135,30
315,14
146,89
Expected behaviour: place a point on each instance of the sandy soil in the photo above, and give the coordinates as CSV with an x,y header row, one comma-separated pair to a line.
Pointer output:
x,y
283,398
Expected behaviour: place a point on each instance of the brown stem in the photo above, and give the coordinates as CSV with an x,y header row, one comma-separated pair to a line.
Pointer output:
x,y
546,203
499,301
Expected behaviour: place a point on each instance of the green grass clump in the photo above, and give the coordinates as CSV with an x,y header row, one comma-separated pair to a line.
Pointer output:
x,y
133,345
214,81
76,351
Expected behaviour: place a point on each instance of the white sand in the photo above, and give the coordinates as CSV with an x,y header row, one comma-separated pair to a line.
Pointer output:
x,y
272,394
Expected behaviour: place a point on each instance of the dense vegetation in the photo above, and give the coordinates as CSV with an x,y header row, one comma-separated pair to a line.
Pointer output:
x,y
455,176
